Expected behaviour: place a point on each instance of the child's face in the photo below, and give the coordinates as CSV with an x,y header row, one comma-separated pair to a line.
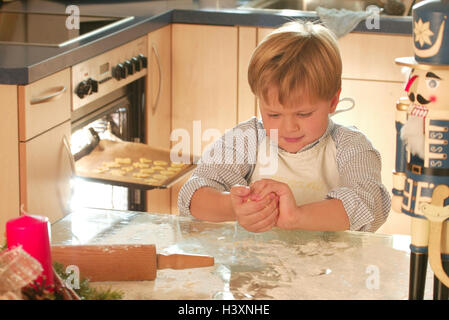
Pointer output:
x,y
299,124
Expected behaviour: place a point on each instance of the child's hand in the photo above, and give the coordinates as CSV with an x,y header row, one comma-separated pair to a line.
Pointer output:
x,y
254,216
287,203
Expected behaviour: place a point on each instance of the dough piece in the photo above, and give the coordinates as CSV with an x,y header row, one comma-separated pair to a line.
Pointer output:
x,y
167,173
158,168
160,163
140,175
118,172
111,164
159,177
141,165
147,170
177,165
128,169
123,160
173,169
145,160
100,170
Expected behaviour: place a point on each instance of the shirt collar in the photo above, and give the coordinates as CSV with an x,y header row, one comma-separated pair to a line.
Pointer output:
x,y
330,125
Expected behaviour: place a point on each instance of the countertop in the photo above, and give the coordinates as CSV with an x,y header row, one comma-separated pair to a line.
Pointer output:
x,y
274,265
25,64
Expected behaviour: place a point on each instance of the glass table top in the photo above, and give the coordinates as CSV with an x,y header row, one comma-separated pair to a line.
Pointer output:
x,y
279,264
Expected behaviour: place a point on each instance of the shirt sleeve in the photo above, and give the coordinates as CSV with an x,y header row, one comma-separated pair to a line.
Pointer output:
x,y
227,162
365,199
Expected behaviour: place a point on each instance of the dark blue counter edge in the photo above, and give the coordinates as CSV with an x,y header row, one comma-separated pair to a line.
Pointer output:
x,y
83,51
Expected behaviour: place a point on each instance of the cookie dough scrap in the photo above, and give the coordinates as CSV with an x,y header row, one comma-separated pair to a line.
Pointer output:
x,y
145,160
128,168
141,165
140,175
176,165
118,172
158,168
167,173
100,170
147,170
111,164
160,163
123,160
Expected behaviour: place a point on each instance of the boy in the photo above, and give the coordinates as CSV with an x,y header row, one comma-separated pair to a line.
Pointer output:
x,y
326,177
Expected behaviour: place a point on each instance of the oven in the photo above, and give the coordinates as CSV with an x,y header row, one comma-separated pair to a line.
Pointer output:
x,y
108,103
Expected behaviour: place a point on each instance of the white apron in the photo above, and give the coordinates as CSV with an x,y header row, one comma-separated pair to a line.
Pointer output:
x,y
310,174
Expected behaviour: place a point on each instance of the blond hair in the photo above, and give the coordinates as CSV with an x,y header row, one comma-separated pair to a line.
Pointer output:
x,y
298,58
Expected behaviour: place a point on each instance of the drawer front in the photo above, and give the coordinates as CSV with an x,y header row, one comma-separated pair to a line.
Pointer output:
x,y
44,104
45,173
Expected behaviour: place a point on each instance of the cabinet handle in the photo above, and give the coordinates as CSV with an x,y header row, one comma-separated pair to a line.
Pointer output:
x,y
156,53
65,141
52,96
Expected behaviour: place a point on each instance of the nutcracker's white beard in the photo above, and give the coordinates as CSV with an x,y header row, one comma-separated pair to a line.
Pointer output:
x,y
413,136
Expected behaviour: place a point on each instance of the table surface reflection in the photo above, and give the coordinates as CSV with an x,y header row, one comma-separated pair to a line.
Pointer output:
x,y
279,264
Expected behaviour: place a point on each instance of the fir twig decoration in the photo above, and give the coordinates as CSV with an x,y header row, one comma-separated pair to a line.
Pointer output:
x,y
85,291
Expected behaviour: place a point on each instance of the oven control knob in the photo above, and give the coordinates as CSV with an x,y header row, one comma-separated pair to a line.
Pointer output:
x,y
143,59
137,63
83,89
120,72
93,85
129,66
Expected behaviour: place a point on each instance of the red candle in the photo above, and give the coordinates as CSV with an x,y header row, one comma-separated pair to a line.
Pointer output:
x,y
32,233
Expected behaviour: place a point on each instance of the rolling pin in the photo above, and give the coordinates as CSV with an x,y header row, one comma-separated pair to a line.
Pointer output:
x,y
123,262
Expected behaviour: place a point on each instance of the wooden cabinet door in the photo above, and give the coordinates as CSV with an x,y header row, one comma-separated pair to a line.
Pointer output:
x,y
204,85
158,108
374,115
204,80
9,159
246,100
45,172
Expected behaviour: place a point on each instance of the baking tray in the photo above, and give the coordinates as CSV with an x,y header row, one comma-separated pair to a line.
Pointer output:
x,y
91,167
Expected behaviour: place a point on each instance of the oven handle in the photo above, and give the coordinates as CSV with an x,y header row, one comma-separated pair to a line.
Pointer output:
x,y
51,96
156,53
65,141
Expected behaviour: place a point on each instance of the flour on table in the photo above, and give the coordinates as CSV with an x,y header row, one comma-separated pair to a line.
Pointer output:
x,y
161,235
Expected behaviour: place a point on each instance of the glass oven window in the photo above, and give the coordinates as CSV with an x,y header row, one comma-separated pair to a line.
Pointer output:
x,y
113,126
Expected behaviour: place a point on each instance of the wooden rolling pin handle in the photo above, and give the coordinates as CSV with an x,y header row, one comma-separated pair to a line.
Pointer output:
x,y
183,261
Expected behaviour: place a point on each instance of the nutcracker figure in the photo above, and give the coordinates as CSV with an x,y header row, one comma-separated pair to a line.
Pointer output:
x,y
421,177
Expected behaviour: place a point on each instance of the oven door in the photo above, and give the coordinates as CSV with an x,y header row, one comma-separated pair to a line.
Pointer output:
x,y
110,118
114,167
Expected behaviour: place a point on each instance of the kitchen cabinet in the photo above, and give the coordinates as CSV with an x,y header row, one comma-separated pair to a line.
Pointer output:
x,y
204,82
44,138
210,92
158,106
375,82
210,83
45,173
247,106
204,86
9,160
